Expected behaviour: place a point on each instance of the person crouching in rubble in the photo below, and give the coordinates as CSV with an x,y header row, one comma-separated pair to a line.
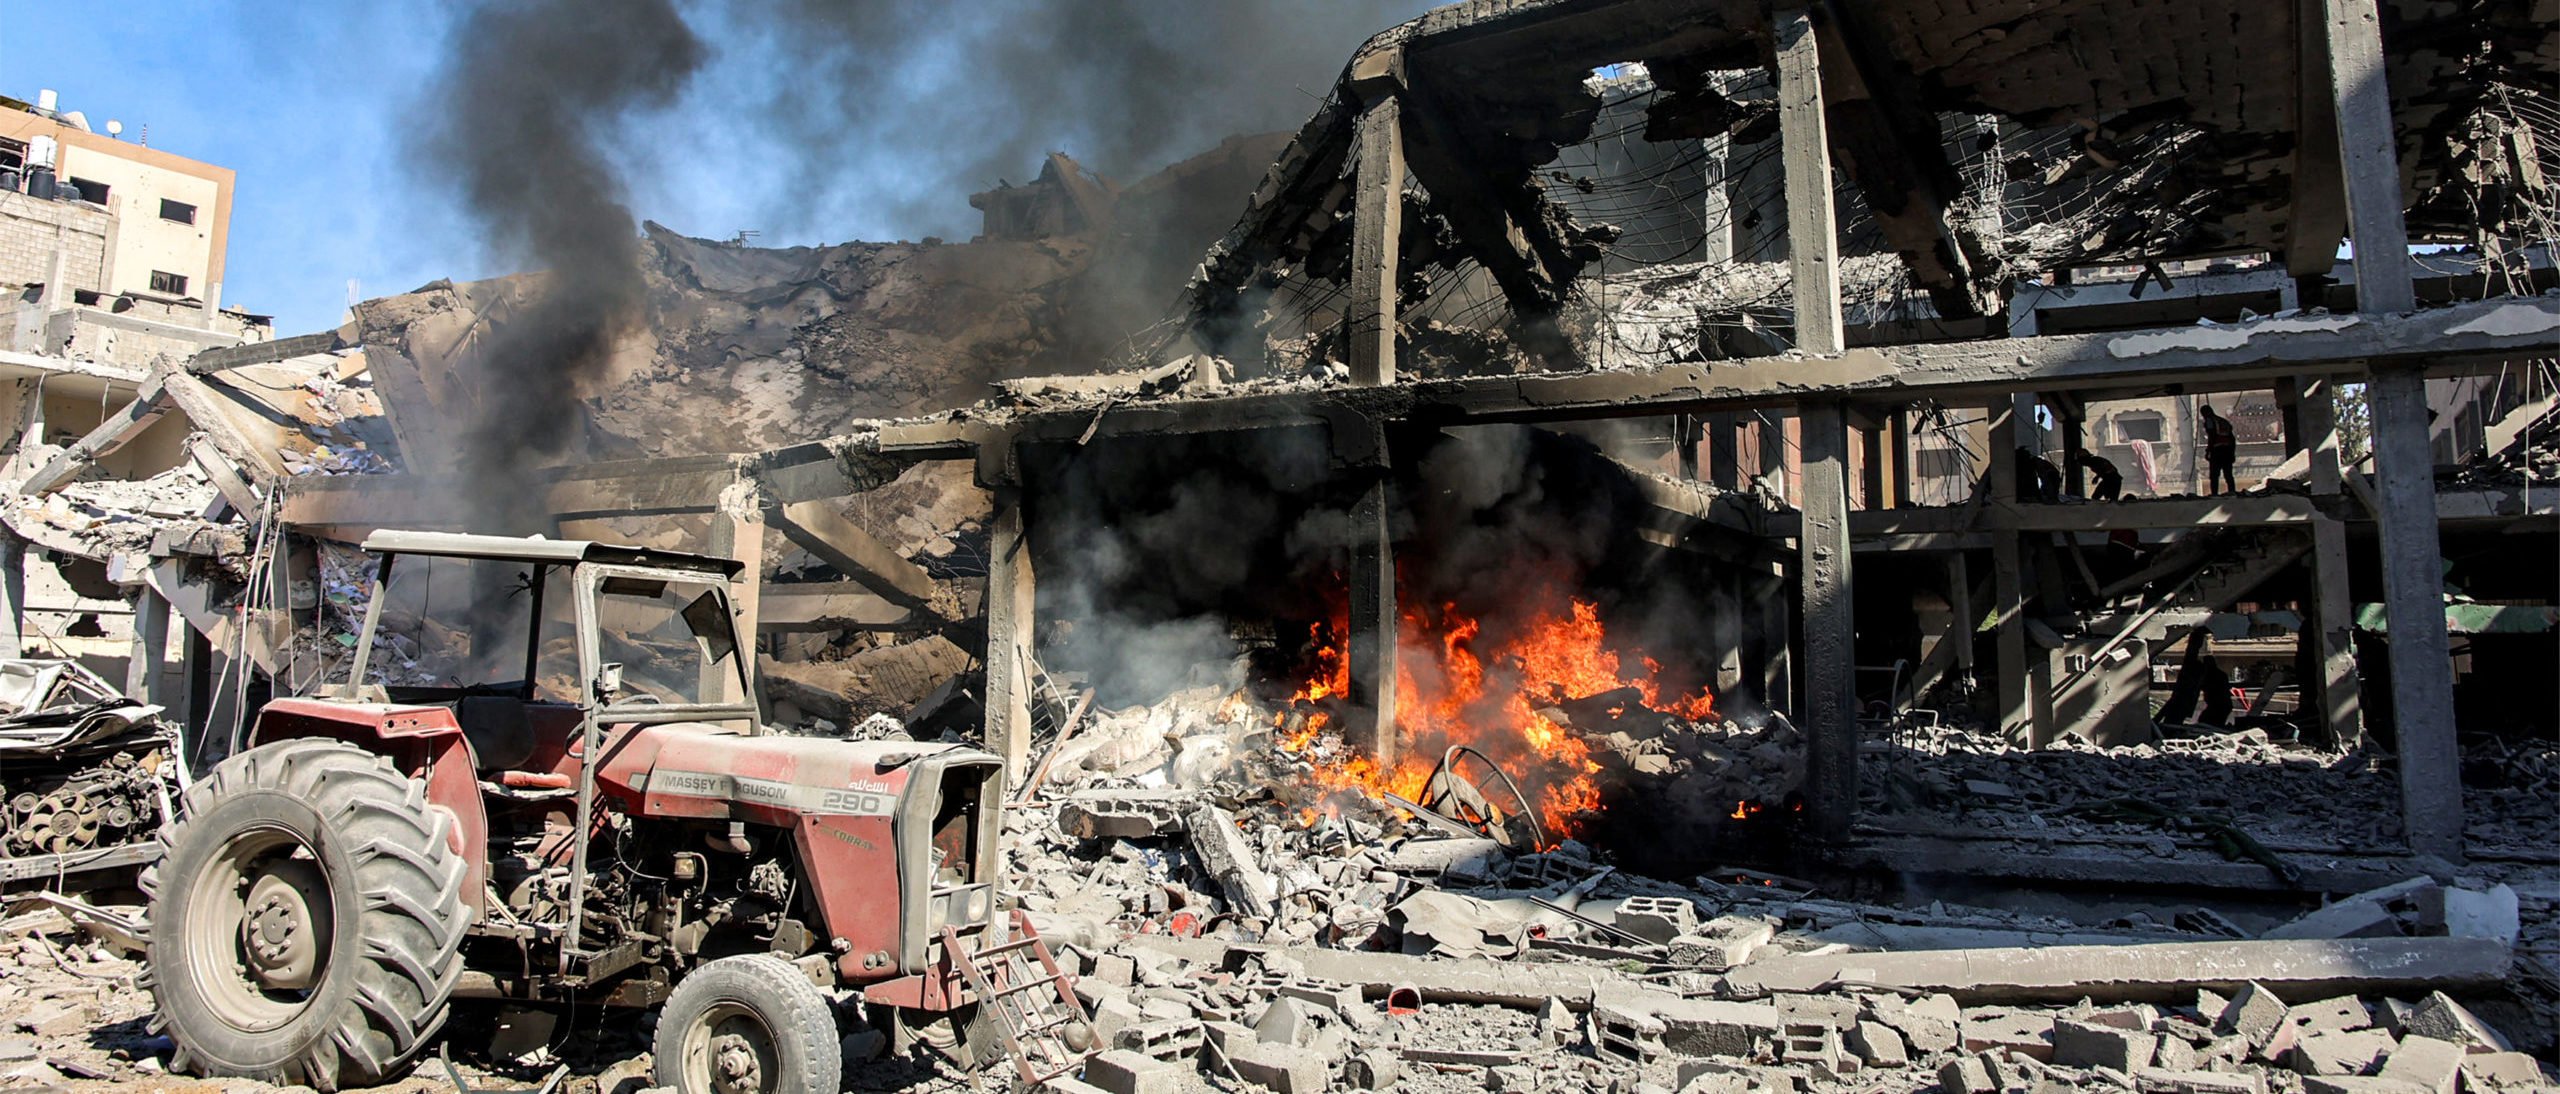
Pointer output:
x,y
2221,450
2105,482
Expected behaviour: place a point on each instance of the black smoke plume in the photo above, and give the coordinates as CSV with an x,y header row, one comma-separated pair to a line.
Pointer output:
x,y
523,107
929,101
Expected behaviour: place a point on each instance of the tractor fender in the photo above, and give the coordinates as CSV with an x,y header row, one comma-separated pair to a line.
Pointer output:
x,y
424,742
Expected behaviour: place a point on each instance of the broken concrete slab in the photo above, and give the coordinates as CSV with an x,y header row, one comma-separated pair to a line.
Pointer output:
x,y
2157,1081
1966,1075
1225,857
2341,1014
1125,814
2430,1064
2015,1033
2352,1052
2438,1016
2353,1084
1878,1045
1932,1024
1288,1021
2502,1071
2090,1044
2151,973
2254,1013
1284,1069
2371,914
1468,981
1121,1071
1435,857
2496,914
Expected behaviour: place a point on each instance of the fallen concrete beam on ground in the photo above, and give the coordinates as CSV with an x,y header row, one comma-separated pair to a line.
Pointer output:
x,y
1468,980
2146,973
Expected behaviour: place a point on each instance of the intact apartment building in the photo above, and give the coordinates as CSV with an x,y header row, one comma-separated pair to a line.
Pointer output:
x,y
111,267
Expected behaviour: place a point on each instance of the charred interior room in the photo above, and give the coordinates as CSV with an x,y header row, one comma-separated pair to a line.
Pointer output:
x,y
1965,545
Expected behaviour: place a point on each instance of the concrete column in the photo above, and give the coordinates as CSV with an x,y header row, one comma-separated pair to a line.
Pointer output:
x,y
150,647
737,531
2413,599
1874,467
2329,650
1377,224
1010,630
1904,455
1725,653
1813,237
1371,719
1776,630
1686,431
1772,428
2008,585
2328,635
1724,450
1960,605
2370,156
1830,714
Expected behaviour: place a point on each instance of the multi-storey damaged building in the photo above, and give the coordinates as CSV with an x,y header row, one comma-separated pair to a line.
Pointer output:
x,y
1774,346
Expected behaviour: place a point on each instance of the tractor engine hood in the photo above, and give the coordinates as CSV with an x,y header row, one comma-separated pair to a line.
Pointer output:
x,y
859,813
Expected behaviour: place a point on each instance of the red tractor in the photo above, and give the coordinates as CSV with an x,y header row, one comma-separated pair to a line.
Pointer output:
x,y
545,783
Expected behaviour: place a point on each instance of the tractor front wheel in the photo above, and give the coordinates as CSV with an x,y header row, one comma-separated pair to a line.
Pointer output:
x,y
751,1024
306,918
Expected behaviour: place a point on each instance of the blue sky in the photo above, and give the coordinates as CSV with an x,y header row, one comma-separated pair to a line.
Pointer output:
x,y
311,104
315,105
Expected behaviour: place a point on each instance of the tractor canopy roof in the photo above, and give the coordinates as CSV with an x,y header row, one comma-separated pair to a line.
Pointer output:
x,y
550,552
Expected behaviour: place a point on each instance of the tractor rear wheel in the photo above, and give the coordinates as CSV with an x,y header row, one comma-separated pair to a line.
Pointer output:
x,y
306,918
750,1024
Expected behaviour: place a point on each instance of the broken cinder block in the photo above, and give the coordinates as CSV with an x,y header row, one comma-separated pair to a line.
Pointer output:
x,y
1125,814
1722,943
2350,1053
1878,1045
1657,919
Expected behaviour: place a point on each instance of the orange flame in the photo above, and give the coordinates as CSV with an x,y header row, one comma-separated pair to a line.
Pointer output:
x,y
1451,692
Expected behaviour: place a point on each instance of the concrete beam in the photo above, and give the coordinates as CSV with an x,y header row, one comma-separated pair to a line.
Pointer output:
x,y
220,358
2160,972
1830,715
117,431
855,554
827,606
2463,337
1813,234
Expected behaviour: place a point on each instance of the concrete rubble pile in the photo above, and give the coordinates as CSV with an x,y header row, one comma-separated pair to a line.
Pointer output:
x,y
2259,793
1267,931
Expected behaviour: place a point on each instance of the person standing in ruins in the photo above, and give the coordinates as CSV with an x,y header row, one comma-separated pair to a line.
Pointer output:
x,y
2221,450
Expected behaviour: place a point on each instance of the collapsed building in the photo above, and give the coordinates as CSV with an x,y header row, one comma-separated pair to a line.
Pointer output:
x,y
1746,444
